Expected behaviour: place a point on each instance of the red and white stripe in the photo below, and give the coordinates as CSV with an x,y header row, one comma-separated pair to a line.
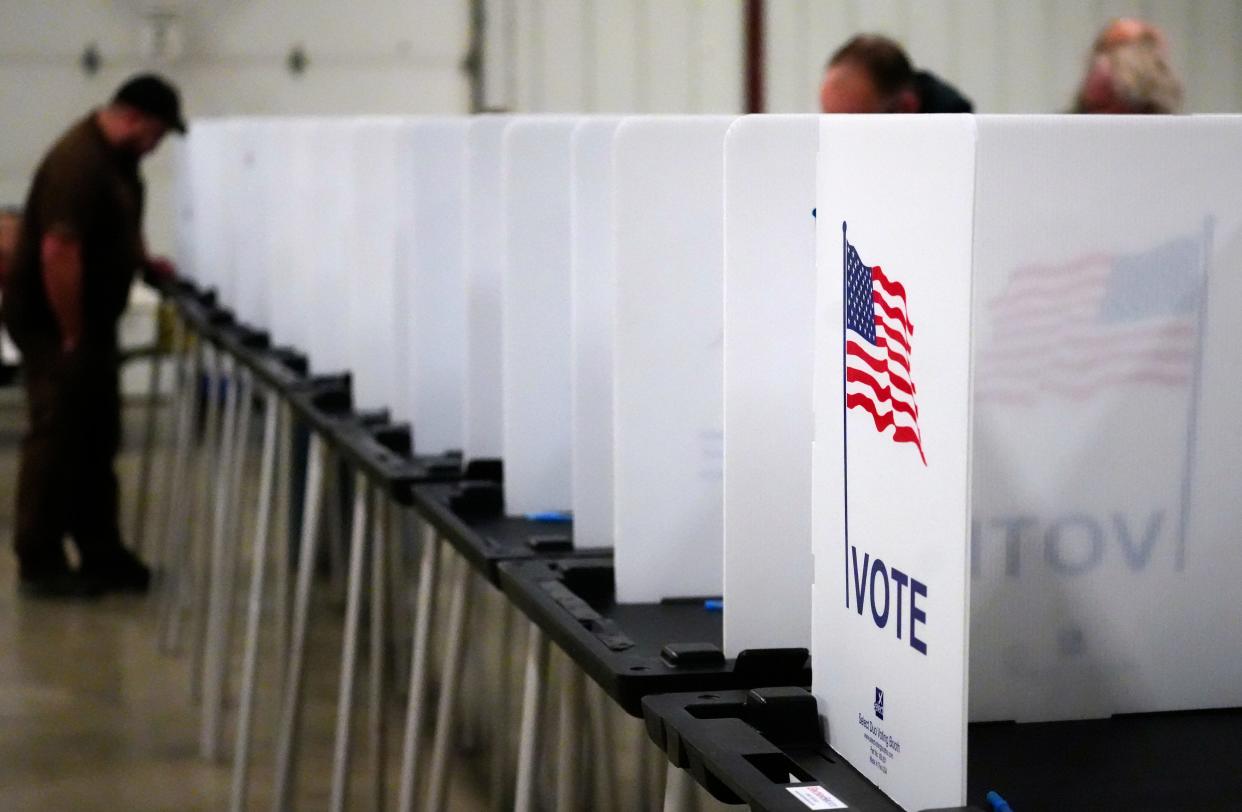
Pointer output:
x,y
878,377
1046,337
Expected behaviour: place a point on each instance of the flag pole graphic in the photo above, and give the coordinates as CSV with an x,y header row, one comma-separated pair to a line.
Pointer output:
x,y
845,479
1192,425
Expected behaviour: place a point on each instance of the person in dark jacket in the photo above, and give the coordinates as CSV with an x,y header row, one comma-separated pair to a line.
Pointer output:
x,y
872,74
78,250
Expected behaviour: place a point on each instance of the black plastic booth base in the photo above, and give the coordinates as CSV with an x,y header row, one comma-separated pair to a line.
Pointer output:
x,y
751,747
748,748
634,650
368,441
1188,760
469,516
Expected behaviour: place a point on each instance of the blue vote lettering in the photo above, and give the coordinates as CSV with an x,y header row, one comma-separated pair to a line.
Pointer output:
x,y
1067,545
894,595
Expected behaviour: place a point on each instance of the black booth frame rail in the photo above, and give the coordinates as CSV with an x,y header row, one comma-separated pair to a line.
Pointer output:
x,y
483,535
382,450
635,650
751,747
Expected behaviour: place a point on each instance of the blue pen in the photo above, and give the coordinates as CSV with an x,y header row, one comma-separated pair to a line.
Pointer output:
x,y
713,605
551,516
998,803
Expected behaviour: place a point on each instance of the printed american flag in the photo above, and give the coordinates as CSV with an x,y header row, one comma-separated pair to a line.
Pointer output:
x,y
878,338
1093,324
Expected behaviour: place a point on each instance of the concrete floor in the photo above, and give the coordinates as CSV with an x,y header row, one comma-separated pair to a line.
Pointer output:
x,y
92,717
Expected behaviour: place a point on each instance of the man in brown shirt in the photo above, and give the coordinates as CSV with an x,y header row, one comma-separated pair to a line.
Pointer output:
x,y
80,246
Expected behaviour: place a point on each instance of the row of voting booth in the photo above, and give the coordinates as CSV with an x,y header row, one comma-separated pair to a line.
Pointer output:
x,y
875,461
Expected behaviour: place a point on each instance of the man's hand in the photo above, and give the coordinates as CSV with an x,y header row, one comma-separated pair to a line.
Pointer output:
x,y
161,269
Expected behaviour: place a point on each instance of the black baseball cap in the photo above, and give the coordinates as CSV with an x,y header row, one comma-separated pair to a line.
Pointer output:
x,y
155,96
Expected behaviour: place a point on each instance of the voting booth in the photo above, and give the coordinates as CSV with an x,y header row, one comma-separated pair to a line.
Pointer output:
x,y
769,319
537,307
207,257
668,227
482,417
948,400
370,270
431,288
1025,494
593,292
293,217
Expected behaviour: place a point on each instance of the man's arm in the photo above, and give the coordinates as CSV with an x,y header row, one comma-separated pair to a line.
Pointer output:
x,y
62,279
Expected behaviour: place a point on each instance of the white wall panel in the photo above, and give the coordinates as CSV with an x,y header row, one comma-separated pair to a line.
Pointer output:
x,y
562,57
627,56
665,55
882,15
1214,53
367,56
788,64
931,41
616,35
980,57
1066,56
526,17
719,55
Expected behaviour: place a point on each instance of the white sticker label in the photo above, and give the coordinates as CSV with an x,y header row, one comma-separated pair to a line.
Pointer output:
x,y
816,797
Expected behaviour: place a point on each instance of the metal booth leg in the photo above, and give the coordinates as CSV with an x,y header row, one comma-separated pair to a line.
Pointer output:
x,y
424,601
450,684
291,699
349,646
250,657
532,700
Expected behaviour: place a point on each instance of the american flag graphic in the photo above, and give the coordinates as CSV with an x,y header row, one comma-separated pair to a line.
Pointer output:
x,y
1093,324
878,338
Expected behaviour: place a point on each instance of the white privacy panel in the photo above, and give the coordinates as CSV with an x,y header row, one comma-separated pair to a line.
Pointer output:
x,y
1100,429
191,205
294,242
769,340
374,355
668,228
594,296
538,372
208,163
183,201
1105,431
483,244
431,315
249,187
332,207
891,452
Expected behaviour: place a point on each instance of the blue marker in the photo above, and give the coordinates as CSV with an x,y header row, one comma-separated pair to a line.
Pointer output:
x,y
713,605
998,803
550,516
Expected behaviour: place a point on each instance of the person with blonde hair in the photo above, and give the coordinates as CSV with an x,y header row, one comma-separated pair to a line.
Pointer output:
x,y
1128,72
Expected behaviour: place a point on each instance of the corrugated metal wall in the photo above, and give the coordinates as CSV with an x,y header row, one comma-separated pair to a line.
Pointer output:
x,y
657,56
1010,56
